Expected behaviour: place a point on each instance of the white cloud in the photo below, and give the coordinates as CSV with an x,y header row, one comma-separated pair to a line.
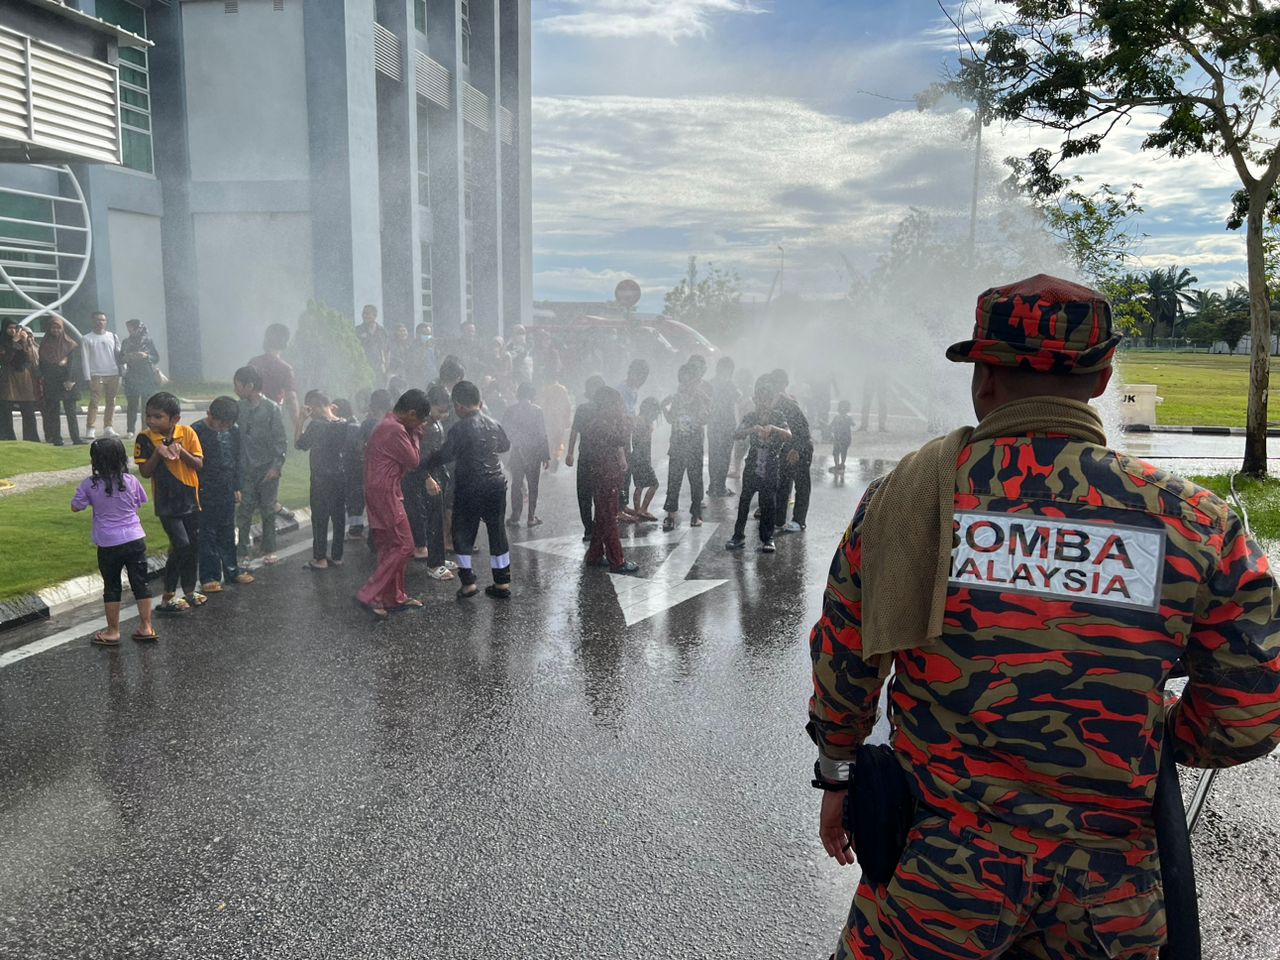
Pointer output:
x,y
669,19
631,185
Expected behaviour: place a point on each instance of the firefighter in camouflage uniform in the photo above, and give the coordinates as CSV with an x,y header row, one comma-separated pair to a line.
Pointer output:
x,y
1030,589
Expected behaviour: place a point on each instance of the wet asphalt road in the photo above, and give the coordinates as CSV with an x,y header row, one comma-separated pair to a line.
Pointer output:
x,y
279,777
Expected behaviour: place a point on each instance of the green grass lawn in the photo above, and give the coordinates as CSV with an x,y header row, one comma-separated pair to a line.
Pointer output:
x,y
21,457
1199,389
45,543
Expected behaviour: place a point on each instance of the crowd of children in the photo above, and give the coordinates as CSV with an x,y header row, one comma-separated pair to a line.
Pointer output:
x,y
423,471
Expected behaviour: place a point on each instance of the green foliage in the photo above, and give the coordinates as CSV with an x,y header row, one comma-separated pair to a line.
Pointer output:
x,y
711,303
1261,498
1127,293
326,354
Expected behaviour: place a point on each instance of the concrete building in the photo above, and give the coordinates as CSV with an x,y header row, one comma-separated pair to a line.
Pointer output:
x,y
275,151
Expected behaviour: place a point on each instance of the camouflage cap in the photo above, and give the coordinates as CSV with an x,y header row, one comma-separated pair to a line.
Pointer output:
x,y
1044,324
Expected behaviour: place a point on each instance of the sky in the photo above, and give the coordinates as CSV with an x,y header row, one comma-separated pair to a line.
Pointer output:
x,y
726,129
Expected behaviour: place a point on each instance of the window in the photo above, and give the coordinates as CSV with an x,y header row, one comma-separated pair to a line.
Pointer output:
x,y
135,86
28,252
468,170
426,283
471,289
424,158
420,15
465,26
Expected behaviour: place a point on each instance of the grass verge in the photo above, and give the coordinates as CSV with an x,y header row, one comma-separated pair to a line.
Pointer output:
x,y
18,456
1260,497
45,543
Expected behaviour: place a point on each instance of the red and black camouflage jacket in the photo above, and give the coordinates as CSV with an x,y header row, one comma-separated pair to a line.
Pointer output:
x,y
1079,577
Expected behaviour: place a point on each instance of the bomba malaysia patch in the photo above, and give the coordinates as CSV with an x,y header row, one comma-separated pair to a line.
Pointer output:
x,y
1093,562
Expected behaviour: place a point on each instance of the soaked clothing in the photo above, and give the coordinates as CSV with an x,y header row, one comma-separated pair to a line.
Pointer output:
x,y
527,429
1079,576
175,484
641,460
795,474
480,492
760,472
327,441
687,414
606,437
391,453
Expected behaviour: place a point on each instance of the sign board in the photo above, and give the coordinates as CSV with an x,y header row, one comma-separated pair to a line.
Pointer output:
x,y
627,293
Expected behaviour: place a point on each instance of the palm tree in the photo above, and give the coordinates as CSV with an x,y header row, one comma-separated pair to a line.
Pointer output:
x,y
1170,292
1235,315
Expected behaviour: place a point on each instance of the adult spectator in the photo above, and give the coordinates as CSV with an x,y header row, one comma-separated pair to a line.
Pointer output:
x,y
399,360
424,360
140,377
279,384
375,343
19,368
1028,712
101,348
797,460
61,372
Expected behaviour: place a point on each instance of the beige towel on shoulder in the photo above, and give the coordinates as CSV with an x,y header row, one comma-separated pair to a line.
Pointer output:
x,y
906,534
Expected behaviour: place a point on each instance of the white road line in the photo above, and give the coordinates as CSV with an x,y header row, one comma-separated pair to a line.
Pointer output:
x,y
86,627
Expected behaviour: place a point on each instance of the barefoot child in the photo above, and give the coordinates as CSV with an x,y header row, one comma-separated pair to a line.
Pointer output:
x,y
642,472
115,495
169,454
480,490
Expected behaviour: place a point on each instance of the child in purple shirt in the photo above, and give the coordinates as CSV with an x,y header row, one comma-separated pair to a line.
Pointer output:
x,y
115,496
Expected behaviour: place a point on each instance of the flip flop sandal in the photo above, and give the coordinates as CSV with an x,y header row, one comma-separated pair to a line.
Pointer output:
x,y
311,565
695,522
196,599
668,525
176,605
99,640
413,603
464,595
146,637
492,591
379,613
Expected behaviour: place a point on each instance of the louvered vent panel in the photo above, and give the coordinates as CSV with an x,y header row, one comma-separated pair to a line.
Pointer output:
x,y
434,81
508,125
386,52
74,105
475,107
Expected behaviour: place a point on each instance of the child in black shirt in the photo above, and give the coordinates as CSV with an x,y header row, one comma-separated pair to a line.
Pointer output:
x,y
767,429
326,437
841,436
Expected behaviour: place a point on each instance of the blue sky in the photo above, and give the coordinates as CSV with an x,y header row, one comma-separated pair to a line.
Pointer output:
x,y
723,128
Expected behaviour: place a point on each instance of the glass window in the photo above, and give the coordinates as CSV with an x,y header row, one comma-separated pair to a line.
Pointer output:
x,y
426,283
466,32
135,86
424,158
420,15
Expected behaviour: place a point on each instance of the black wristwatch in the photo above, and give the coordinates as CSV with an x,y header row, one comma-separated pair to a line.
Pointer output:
x,y
819,782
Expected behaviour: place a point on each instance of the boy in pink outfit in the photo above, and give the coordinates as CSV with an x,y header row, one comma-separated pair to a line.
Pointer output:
x,y
392,451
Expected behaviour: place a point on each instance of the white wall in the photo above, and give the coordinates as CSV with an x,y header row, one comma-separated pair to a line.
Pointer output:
x,y
137,276
254,270
246,91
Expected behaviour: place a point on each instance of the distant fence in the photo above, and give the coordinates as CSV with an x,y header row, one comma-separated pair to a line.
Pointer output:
x,y
1171,345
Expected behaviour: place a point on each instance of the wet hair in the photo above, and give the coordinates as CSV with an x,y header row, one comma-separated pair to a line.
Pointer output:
x,y
342,406
466,394
165,402
380,403
650,408
765,389
250,377
413,401
779,378
224,409
110,464
276,337
438,396
686,374
697,360
316,398
844,406
397,385
725,365
525,391
638,368
609,403
451,370
594,383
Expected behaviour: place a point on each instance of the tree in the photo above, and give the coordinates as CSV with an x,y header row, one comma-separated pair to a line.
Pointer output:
x,y
1205,324
710,303
1170,291
1209,71
1130,302
1236,317
327,354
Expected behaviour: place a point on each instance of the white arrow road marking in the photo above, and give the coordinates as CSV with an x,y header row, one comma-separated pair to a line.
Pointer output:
x,y
641,598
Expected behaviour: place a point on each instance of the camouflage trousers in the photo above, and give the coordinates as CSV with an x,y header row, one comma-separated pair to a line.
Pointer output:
x,y
957,896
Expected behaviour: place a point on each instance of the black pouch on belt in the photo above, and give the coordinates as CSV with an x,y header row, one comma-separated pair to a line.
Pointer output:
x,y
879,810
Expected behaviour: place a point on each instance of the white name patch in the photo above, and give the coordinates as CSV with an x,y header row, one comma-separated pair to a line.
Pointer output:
x,y
1022,553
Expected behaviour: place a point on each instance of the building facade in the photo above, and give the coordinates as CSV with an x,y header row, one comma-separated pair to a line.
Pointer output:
x,y
276,151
